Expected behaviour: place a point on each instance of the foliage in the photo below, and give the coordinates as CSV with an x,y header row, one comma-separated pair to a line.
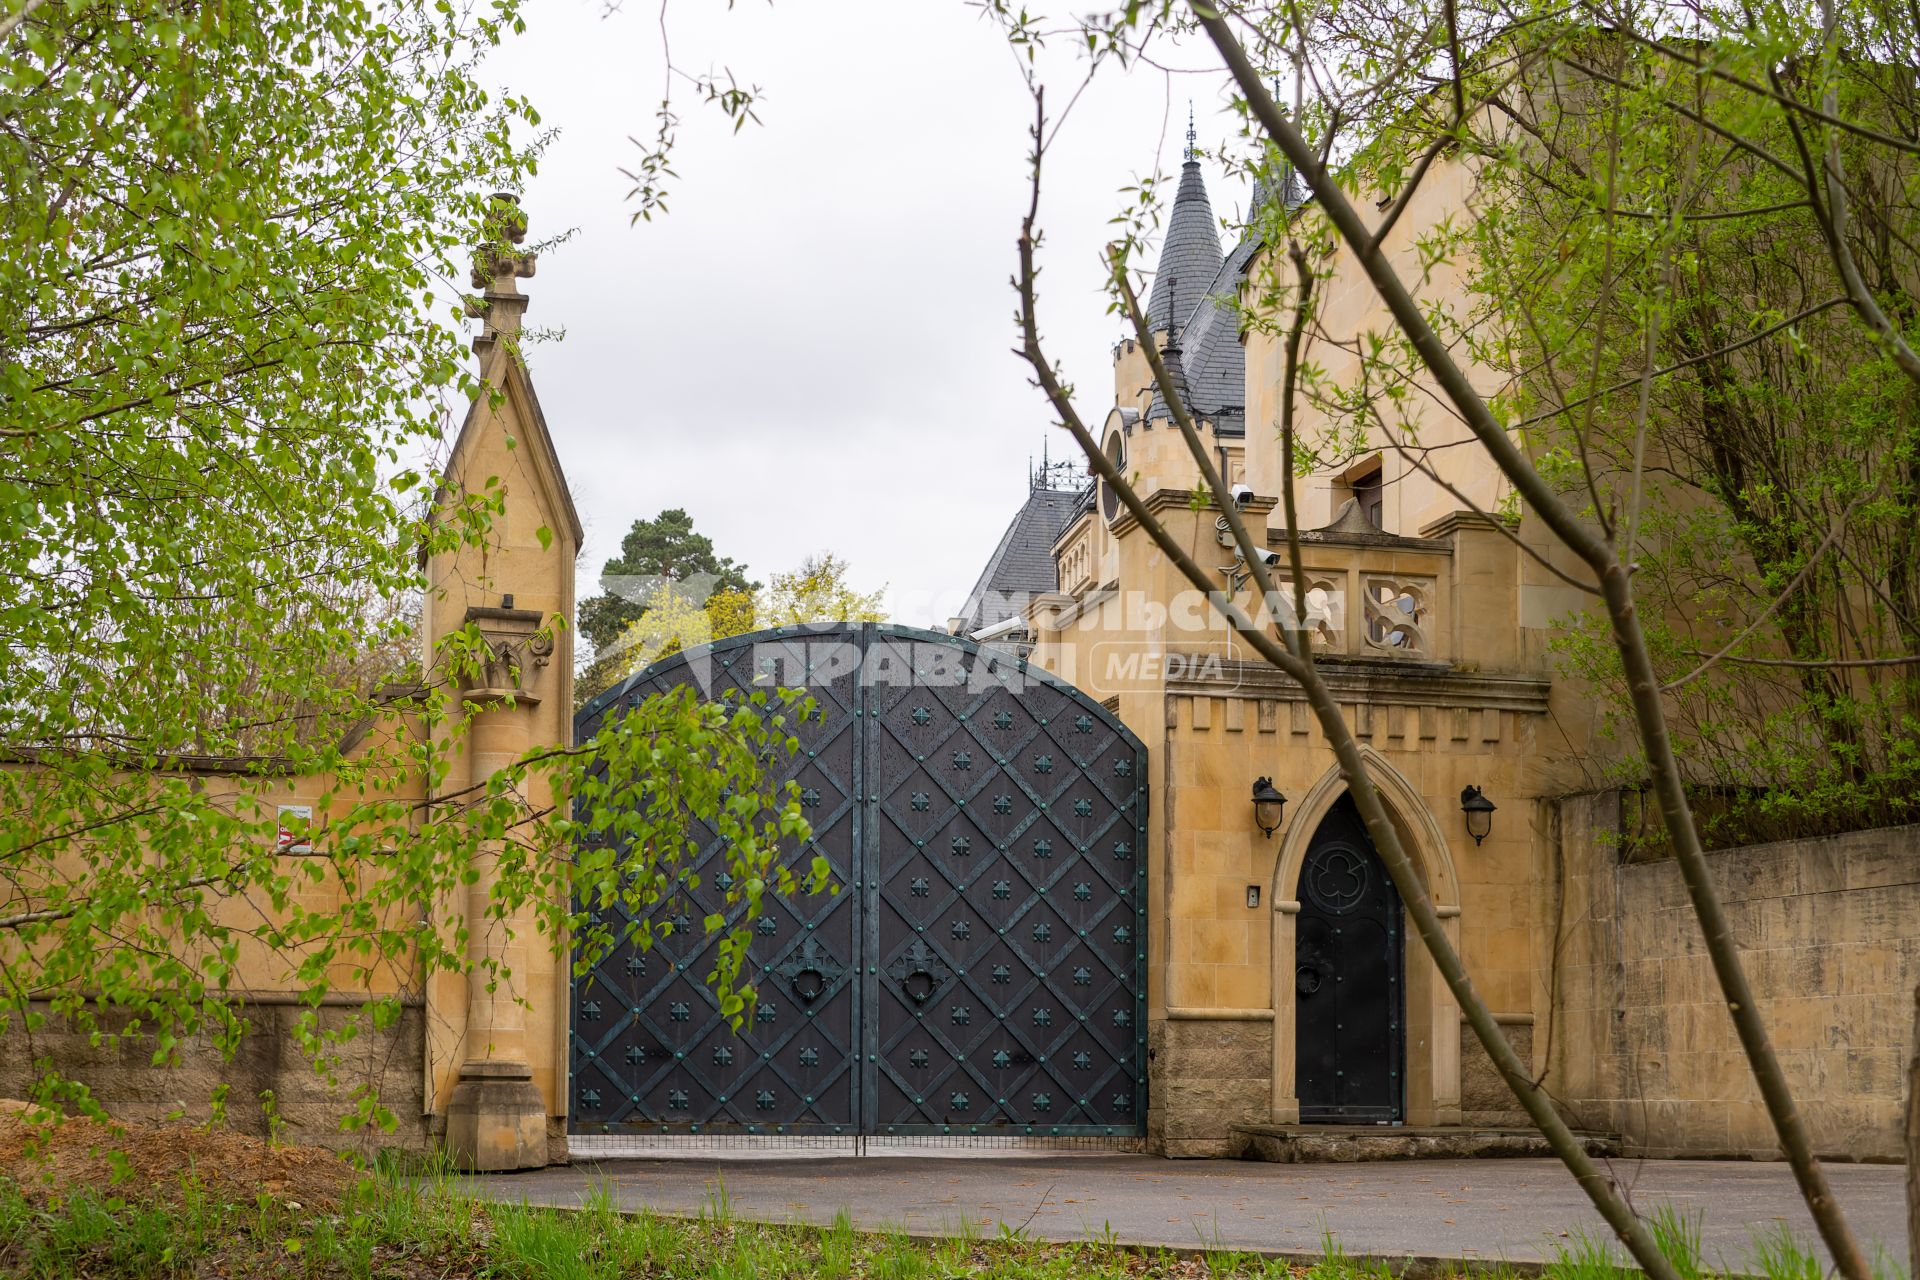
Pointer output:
x,y
1778,514
818,591
663,565
654,555
674,620
678,616
230,249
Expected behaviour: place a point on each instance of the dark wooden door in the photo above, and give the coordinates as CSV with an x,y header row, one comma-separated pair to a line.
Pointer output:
x,y
1349,1019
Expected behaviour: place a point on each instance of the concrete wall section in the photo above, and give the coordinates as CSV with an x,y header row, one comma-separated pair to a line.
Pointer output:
x,y
267,1076
1830,931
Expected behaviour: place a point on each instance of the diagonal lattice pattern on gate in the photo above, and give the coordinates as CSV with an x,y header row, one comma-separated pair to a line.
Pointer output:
x,y
982,969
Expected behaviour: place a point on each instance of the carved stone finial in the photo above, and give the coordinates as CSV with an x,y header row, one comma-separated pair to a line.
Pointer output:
x,y
496,266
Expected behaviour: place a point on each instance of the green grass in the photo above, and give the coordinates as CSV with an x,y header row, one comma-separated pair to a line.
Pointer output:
x,y
413,1223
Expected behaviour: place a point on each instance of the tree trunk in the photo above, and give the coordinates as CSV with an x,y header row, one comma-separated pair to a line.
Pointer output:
x,y
1913,1145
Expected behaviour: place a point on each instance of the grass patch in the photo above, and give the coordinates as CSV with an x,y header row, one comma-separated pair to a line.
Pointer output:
x,y
403,1223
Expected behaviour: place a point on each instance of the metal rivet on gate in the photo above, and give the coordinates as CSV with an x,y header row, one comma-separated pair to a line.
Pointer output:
x,y
919,928
919,757
873,968
869,1057
812,754
809,1098
679,1054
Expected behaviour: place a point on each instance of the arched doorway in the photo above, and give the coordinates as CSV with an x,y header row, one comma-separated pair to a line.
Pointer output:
x,y
1430,1070
1349,993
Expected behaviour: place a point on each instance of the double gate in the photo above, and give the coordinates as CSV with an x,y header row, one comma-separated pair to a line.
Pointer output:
x,y
982,969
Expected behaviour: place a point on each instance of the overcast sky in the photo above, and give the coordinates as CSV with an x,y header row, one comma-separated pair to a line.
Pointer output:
x,y
812,350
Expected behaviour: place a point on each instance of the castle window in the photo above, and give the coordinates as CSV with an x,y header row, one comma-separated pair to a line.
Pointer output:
x,y
1369,494
1116,452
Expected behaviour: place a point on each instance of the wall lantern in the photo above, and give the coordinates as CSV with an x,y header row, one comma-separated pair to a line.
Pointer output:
x,y
1267,805
1479,811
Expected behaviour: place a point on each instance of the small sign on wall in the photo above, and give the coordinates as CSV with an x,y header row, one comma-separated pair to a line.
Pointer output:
x,y
296,825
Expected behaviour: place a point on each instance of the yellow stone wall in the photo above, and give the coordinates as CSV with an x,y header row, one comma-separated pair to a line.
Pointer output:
x,y
1643,1042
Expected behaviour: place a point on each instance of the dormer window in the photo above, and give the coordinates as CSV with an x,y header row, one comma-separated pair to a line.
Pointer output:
x,y
1369,494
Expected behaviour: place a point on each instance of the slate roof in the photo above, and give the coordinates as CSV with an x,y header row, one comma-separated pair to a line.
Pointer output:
x,y
1213,361
1189,256
1022,565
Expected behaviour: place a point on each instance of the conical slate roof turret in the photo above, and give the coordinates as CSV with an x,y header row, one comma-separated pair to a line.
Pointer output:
x,y
1190,256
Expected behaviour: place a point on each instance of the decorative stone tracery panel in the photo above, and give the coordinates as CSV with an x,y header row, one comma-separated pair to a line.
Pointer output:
x,y
1398,611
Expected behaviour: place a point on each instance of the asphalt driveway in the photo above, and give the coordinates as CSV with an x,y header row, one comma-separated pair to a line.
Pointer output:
x,y
1516,1209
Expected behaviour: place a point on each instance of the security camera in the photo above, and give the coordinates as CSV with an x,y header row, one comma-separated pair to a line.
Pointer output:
x,y
1271,559
1242,495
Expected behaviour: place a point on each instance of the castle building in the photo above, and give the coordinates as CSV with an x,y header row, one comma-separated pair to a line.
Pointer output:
x,y
1284,989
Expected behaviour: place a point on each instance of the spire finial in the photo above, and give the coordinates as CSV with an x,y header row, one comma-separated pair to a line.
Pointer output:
x,y
1190,133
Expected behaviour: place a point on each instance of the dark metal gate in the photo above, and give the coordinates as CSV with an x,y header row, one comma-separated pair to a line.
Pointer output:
x,y
983,968
1349,1008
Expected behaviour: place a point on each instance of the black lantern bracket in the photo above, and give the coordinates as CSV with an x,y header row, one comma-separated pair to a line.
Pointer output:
x,y
1268,806
1479,811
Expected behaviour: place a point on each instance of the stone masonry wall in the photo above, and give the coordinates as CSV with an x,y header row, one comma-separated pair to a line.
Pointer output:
x,y
1485,1099
131,1088
1204,1076
1830,931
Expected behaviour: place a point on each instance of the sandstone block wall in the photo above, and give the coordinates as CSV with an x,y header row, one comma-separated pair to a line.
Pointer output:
x,y
1485,1099
269,1060
1831,936
1204,1076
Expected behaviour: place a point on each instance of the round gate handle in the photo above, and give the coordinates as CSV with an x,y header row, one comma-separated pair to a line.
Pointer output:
x,y
919,986
1306,979
808,985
